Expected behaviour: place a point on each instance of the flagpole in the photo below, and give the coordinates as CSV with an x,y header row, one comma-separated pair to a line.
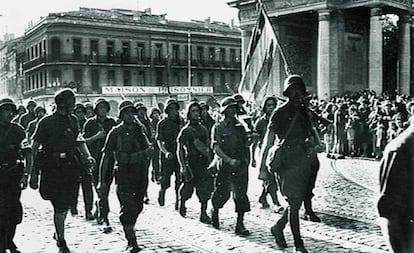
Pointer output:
x,y
189,63
288,71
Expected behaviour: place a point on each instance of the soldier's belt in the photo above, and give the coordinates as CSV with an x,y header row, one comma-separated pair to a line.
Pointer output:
x,y
130,158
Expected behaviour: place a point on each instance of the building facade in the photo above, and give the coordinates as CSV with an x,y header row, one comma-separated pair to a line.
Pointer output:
x,y
93,49
337,46
11,69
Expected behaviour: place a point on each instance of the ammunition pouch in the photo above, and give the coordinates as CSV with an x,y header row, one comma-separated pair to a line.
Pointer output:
x,y
130,158
8,171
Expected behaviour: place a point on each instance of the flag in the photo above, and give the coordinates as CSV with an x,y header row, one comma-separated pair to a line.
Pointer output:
x,y
258,79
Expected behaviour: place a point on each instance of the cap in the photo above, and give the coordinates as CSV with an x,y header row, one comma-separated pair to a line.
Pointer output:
x,y
226,103
155,109
79,106
63,95
140,105
189,106
239,98
39,108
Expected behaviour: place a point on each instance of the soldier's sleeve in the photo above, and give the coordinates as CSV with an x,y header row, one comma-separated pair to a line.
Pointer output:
x,y
215,135
21,138
182,137
160,131
41,132
110,142
87,131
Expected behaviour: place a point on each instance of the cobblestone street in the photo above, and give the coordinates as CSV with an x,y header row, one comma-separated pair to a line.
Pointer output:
x,y
344,199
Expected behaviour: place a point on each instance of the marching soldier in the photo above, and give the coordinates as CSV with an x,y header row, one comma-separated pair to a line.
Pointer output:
x,y
64,151
129,146
95,132
289,126
14,151
29,115
230,144
155,116
40,112
194,155
167,132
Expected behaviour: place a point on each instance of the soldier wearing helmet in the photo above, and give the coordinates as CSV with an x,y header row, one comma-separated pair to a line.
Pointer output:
x,y
29,115
167,132
40,112
63,148
129,146
230,144
290,129
95,132
193,154
14,149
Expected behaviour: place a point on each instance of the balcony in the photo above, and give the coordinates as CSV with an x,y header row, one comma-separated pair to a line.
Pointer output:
x,y
87,59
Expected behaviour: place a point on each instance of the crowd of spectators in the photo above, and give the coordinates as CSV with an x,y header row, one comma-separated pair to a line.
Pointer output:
x,y
363,123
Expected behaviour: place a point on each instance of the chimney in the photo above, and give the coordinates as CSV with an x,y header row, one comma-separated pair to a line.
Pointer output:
x,y
232,23
207,22
147,11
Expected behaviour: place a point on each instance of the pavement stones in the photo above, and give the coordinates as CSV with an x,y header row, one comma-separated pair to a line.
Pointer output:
x,y
347,211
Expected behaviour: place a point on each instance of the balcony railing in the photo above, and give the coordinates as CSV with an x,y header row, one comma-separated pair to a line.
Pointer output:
x,y
118,59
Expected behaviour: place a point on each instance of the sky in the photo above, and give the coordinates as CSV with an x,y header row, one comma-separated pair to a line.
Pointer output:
x,y
16,14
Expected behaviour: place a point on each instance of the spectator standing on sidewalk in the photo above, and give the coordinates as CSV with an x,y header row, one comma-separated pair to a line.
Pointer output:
x,y
64,148
128,144
269,185
14,151
230,144
29,115
396,202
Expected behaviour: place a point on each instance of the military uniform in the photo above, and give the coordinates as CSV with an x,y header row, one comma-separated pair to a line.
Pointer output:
x,y
12,144
167,131
60,171
396,202
232,139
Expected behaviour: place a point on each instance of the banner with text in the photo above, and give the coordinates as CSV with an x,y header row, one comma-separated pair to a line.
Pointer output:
x,y
144,90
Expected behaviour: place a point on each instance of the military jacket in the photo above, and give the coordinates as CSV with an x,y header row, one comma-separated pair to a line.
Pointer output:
x,y
188,134
232,138
92,127
167,131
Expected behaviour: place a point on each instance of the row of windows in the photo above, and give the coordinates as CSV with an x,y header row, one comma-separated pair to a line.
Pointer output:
x,y
40,79
36,51
179,52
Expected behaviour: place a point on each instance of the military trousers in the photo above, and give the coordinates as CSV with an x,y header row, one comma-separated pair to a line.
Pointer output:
x,y
231,180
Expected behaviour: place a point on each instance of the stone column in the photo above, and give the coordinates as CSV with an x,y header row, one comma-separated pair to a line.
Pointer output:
x,y
337,52
404,56
323,76
375,51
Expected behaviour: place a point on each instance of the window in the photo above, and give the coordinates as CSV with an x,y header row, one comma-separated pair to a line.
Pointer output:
x,y
200,78
223,82
56,77
55,44
45,78
159,78
110,51
40,79
95,80
158,52
111,77
176,79
28,58
140,52
141,78
35,51
127,78
211,79
233,55
94,50
175,53
200,54
222,54
77,47
77,76
232,80
212,54
44,48
186,53
125,52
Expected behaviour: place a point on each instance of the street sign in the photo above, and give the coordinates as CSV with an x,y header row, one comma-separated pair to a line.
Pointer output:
x,y
135,90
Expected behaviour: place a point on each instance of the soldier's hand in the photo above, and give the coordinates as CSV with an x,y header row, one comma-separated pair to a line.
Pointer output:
x,y
23,182
253,163
168,155
101,188
34,182
101,134
234,162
